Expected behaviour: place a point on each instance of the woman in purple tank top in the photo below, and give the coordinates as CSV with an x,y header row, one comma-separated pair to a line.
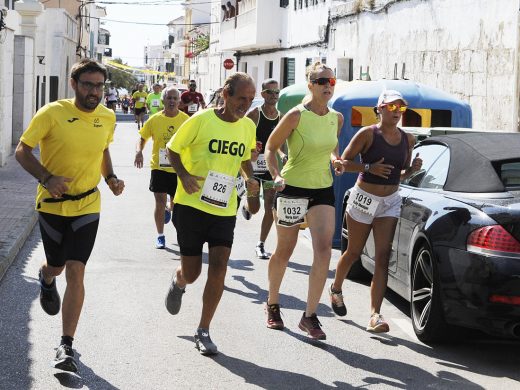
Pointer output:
x,y
374,203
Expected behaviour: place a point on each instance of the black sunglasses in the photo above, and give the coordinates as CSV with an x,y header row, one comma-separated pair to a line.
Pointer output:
x,y
325,81
272,91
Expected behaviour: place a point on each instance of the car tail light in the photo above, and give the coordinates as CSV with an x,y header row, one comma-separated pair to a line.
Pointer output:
x,y
507,299
493,240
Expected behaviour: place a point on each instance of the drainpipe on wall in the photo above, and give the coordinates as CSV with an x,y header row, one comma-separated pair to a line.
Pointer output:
x,y
237,55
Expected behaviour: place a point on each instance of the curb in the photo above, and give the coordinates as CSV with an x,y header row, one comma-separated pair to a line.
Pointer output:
x,y
21,232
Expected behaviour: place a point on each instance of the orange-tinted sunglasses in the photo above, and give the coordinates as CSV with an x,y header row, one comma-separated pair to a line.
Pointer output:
x,y
392,107
325,81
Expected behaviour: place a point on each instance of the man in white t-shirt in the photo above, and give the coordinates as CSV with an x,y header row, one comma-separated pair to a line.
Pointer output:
x,y
112,96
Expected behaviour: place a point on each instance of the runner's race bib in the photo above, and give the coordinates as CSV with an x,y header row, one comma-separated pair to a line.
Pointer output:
x,y
217,189
260,165
141,100
163,158
240,186
363,202
193,107
155,103
290,211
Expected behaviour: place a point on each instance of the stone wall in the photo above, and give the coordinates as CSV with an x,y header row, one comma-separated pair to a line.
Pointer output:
x,y
468,48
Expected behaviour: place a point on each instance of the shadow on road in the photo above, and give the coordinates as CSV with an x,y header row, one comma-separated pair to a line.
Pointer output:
x,y
86,377
495,358
305,269
15,331
15,360
397,374
270,378
258,295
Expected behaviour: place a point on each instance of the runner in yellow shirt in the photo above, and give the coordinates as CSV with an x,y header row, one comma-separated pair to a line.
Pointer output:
x,y
207,152
161,127
139,98
73,136
154,101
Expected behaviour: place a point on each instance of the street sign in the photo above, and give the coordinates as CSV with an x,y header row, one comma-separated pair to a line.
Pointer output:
x,y
228,63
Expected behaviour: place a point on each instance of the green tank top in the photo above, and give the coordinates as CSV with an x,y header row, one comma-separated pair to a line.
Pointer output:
x,y
310,145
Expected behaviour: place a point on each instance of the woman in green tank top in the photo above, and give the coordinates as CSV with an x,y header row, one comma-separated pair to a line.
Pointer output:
x,y
305,188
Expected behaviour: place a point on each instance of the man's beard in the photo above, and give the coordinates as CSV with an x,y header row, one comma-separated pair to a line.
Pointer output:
x,y
87,102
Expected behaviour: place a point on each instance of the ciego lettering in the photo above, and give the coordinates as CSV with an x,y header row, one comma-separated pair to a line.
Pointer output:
x,y
226,147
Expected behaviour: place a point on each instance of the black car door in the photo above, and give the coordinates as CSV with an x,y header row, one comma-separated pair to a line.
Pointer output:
x,y
421,193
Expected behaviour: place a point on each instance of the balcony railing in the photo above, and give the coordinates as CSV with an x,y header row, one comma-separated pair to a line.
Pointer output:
x,y
257,28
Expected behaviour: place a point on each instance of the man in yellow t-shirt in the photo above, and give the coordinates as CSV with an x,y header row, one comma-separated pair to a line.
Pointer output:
x,y
207,152
154,101
73,136
161,127
139,98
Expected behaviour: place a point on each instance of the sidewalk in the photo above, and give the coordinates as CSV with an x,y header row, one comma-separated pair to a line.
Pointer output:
x,y
17,214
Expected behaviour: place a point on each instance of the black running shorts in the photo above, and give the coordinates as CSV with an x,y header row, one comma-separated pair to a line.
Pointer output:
x,y
195,227
264,176
316,196
68,238
139,111
162,181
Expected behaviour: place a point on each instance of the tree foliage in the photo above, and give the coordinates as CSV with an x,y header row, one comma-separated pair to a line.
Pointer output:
x,y
121,78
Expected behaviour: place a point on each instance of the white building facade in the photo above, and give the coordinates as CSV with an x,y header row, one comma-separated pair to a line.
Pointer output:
x,y
39,45
468,48
177,41
277,39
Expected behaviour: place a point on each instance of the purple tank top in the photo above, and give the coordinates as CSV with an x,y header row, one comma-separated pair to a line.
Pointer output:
x,y
395,155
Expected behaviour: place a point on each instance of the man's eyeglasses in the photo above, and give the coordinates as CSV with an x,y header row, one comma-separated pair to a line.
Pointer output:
x,y
271,91
325,81
91,86
392,107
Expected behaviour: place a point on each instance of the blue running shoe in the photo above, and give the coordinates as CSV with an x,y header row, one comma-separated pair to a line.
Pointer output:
x,y
161,242
167,216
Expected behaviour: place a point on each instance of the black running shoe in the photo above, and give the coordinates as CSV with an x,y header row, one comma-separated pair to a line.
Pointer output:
x,y
337,303
246,214
50,300
64,359
203,342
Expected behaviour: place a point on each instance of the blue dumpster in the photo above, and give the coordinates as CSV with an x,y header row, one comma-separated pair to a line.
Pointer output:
x,y
428,107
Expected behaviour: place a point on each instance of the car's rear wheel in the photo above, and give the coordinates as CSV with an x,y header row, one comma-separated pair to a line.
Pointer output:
x,y
426,303
357,271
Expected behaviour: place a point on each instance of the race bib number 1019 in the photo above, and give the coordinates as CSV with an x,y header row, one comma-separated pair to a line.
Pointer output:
x,y
363,202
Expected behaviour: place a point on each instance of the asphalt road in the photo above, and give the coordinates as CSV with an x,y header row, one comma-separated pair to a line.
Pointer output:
x,y
127,340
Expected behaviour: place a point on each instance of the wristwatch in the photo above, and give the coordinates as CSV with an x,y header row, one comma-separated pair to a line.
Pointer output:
x,y
110,176
367,168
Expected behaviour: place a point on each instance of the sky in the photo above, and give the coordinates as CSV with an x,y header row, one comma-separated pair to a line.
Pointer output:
x,y
128,40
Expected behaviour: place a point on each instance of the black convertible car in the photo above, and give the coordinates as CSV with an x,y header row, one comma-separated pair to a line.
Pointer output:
x,y
456,251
